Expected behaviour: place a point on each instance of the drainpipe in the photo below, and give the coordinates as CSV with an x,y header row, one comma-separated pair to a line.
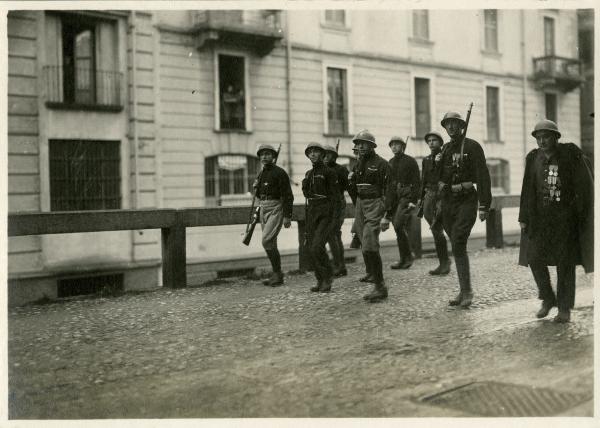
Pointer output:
x,y
135,110
524,85
288,76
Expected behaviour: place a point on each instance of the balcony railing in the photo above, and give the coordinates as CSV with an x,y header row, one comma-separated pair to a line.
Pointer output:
x,y
83,88
554,72
256,30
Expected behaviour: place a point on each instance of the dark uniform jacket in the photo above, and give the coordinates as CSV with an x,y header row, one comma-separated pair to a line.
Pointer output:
x,y
559,224
430,173
274,183
321,183
473,168
404,179
375,171
342,177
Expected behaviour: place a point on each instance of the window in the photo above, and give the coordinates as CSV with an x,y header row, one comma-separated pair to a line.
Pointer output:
x,y
335,17
548,36
84,175
491,29
82,62
551,106
422,107
499,175
492,99
232,98
421,24
337,101
229,174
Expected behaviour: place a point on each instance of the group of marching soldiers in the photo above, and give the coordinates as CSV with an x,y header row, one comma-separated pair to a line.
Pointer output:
x,y
451,191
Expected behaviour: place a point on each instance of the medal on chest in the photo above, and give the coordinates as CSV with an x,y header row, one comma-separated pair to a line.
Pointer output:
x,y
553,183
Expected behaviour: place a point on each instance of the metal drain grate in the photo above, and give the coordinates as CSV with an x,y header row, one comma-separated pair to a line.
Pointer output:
x,y
503,399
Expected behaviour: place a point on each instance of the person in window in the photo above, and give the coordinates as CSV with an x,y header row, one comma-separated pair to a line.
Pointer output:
x,y
320,188
233,108
556,217
274,192
373,211
335,239
403,197
431,204
464,180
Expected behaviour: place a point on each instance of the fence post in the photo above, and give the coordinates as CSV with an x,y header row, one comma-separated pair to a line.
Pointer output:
x,y
414,236
174,254
494,237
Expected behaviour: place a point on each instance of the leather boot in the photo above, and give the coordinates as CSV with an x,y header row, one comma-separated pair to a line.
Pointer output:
x,y
355,241
325,286
441,250
379,292
464,280
316,288
545,309
564,316
275,280
369,268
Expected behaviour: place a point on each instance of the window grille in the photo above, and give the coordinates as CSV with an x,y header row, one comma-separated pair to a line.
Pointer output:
x,y
492,95
421,24
337,101
229,174
422,107
491,29
84,175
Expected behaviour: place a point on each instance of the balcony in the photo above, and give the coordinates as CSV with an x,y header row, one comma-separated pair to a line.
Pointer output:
x,y
254,30
557,73
72,88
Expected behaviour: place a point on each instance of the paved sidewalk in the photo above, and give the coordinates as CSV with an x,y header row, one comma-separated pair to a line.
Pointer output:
x,y
240,349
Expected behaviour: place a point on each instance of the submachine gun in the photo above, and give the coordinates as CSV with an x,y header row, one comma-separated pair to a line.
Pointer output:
x,y
255,211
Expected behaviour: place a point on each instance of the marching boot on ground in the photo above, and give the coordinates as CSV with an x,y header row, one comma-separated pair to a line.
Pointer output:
x,y
369,186
335,238
464,184
379,291
273,190
556,217
405,184
320,188
430,201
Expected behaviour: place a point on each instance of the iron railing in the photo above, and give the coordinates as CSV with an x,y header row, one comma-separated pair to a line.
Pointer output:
x,y
249,20
82,87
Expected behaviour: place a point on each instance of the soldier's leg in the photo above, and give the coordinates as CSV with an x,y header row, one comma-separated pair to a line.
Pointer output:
x,y
271,223
541,276
565,291
359,225
374,212
466,214
318,252
437,230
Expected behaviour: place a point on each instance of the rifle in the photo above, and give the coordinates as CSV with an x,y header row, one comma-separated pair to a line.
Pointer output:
x,y
255,211
337,145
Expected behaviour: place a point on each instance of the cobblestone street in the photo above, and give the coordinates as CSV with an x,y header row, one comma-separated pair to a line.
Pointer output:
x,y
240,349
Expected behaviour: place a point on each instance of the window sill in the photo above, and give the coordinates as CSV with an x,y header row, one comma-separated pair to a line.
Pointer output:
x,y
232,131
325,134
336,27
491,54
84,107
420,41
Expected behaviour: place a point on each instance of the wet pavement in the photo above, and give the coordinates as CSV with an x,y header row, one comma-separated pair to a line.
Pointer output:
x,y
240,349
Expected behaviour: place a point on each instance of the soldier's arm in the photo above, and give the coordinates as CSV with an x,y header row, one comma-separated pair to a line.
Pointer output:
x,y
523,213
342,179
286,194
415,179
352,190
333,191
484,188
388,186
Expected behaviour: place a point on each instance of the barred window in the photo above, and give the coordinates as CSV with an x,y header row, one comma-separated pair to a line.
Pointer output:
x,y
229,174
421,24
422,107
499,175
84,175
337,101
491,29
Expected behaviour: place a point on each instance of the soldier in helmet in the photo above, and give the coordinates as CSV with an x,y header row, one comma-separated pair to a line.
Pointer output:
x,y
466,188
274,192
405,185
335,239
320,188
351,183
556,217
373,213
431,203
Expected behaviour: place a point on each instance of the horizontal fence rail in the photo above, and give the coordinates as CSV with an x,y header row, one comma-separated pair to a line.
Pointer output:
x,y
173,224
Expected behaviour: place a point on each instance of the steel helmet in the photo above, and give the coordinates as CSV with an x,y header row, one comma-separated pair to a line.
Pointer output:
x,y
435,134
266,147
365,135
329,148
313,145
546,125
396,140
452,115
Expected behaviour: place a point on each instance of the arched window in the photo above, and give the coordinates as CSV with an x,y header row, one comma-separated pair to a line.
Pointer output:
x,y
499,175
229,174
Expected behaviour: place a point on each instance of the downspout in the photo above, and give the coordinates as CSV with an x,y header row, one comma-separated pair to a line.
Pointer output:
x,y
288,76
524,85
135,110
